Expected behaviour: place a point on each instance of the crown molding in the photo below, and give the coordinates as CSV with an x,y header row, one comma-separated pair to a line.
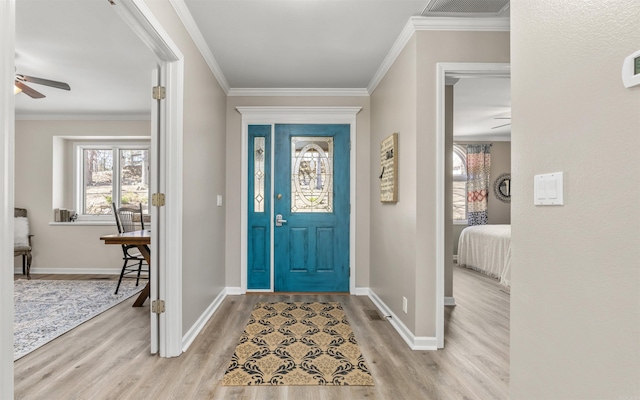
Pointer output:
x,y
489,24
190,24
435,24
298,92
483,137
276,113
83,117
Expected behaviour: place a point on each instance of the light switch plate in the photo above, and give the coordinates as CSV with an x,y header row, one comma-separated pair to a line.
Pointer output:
x,y
219,203
548,189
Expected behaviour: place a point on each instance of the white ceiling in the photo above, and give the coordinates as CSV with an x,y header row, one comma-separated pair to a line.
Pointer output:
x,y
479,106
257,44
86,44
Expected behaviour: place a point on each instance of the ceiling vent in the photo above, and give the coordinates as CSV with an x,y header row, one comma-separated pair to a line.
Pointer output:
x,y
470,8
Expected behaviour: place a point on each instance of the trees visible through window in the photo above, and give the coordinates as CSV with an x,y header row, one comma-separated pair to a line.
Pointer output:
x,y
118,174
459,183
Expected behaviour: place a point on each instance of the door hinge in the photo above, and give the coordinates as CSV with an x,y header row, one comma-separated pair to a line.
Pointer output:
x,y
157,199
157,306
159,92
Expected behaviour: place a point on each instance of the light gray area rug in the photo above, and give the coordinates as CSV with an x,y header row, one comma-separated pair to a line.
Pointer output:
x,y
46,309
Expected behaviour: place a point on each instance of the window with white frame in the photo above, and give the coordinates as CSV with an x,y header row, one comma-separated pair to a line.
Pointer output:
x,y
459,184
111,172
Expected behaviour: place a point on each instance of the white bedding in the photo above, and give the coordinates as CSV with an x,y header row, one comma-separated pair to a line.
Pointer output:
x,y
487,248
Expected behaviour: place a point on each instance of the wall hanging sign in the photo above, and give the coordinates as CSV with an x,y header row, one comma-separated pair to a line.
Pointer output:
x,y
389,169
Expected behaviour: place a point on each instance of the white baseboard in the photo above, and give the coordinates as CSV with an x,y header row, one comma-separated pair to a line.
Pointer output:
x,y
234,291
196,328
68,271
414,342
449,302
362,291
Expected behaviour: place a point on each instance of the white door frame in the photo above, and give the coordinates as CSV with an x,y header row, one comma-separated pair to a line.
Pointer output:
x,y
451,70
7,121
166,283
137,15
252,115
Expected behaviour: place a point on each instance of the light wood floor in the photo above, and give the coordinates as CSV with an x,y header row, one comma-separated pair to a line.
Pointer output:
x,y
108,357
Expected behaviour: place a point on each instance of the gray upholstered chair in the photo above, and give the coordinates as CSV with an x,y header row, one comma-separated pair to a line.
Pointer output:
x,y
22,239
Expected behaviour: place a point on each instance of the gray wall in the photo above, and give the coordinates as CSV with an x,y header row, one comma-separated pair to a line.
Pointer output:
x,y
403,238
575,297
69,246
203,228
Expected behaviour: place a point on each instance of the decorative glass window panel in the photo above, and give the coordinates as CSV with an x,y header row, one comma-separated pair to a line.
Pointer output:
x,y
98,181
259,174
311,174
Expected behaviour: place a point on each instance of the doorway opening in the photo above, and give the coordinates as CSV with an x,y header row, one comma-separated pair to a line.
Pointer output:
x,y
444,264
288,117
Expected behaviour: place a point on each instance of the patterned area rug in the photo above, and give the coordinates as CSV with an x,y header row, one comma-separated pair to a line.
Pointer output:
x,y
45,309
297,344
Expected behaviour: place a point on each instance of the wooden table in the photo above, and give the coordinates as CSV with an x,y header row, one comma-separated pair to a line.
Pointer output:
x,y
142,240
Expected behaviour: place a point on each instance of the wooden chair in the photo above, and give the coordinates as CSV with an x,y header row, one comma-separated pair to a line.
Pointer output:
x,y
22,239
126,219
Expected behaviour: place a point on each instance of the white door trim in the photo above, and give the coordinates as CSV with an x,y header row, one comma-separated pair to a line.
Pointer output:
x,y
451,70
7,121
296,115
166,284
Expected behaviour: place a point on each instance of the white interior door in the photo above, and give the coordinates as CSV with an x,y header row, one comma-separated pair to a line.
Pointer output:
x,y
156,126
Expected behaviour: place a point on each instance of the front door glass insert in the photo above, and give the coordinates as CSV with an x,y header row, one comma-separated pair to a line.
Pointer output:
x,y
311,174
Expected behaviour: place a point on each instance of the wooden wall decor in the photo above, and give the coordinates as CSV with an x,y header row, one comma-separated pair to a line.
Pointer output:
x,y
389,169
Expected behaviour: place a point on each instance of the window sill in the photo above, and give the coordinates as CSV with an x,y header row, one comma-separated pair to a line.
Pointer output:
x,y
84,223
147,225
461,222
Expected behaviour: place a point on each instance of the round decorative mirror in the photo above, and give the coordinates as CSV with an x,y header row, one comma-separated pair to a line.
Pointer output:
x,y
502,188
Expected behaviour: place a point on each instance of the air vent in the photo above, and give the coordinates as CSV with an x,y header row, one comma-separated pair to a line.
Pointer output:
x,y
466,7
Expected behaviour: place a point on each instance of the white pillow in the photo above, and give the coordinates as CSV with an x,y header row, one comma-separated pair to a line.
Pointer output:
x,y
21,231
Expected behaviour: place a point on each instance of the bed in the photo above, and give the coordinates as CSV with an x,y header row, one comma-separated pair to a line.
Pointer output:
x,y
487,249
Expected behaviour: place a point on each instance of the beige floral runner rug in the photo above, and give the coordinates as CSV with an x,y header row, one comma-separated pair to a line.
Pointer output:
x,y
297,344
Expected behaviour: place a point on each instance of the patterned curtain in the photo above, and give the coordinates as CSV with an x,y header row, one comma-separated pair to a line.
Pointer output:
x,y
478,169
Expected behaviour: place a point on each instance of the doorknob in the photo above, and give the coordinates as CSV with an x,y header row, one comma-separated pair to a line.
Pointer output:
x,y
279,220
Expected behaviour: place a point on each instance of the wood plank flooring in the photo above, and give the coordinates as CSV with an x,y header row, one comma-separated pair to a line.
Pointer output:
x,y
108,357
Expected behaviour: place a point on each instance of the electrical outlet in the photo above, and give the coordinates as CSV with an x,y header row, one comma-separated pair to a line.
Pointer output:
x,y
404,304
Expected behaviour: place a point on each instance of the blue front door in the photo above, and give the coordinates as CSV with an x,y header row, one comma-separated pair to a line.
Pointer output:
x,y
311,198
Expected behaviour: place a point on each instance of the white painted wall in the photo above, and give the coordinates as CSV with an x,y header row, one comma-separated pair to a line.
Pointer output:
x,y
575,297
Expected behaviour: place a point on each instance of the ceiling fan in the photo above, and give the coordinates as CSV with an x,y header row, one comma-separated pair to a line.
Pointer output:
x,y
21,85
500,126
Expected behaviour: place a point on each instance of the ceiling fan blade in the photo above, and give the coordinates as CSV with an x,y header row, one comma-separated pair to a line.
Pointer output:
x,y
46,82
500,126
28,91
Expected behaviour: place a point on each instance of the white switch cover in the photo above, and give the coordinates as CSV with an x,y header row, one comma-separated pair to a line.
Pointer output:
x,y
548,189
219,200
